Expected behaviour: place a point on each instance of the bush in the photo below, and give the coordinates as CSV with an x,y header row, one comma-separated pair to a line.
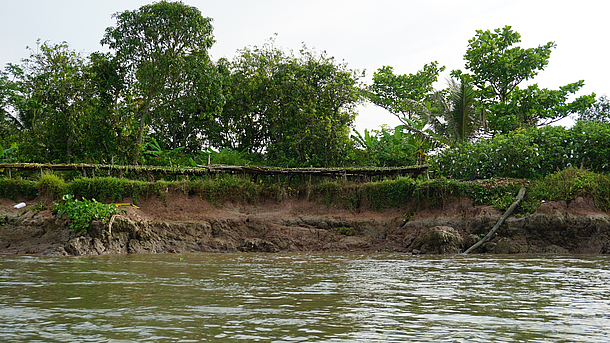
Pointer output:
x,y
51,185
15,188
570,183
530,153
113,189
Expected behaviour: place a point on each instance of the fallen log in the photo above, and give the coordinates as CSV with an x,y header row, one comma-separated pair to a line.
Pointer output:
x,y
510,210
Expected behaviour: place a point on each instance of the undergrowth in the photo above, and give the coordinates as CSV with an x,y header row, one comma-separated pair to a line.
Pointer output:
x,y
570,183
399,192
82,212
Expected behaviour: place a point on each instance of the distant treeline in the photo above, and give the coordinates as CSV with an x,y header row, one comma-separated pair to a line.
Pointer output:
x,y
159,99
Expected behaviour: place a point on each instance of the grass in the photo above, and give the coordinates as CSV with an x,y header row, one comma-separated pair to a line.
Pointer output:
x,y
399,192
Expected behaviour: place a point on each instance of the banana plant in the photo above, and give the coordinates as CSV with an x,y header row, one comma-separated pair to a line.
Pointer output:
x,y
5,154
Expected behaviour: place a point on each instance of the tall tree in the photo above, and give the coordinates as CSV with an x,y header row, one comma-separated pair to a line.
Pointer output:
x,y
51,99
110,124
498,68
403,95
158,44
295,108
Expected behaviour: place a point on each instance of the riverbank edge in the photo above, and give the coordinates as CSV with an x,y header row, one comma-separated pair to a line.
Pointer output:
x,y
577,227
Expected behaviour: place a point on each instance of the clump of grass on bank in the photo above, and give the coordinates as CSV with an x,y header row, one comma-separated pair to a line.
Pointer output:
x,y
51,185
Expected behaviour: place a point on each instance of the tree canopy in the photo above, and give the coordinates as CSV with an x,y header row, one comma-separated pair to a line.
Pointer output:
x,y
158,98
498,68
163,47
296,108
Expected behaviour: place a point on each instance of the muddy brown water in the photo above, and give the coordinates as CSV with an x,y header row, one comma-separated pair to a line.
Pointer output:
x,y
304,298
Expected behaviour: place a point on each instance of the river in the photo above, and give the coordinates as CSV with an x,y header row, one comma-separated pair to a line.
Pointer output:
x,y
304,298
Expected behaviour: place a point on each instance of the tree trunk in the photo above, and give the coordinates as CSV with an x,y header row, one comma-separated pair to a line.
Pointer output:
x,y
495,228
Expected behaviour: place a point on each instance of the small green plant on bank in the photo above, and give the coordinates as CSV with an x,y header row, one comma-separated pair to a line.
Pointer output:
x,y
38,207
81,213
570,183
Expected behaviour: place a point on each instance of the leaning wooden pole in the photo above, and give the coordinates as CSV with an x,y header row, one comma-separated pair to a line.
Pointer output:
x,y
510,210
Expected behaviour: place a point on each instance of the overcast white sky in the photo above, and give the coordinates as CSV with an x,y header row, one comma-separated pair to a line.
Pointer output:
x,y
365,34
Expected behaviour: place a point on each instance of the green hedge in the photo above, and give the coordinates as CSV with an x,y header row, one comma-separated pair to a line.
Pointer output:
x,y
530,153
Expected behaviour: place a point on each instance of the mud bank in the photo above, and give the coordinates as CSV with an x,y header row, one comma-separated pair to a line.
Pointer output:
x,y
179,224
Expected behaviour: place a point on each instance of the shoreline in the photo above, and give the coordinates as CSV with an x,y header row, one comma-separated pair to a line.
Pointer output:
x,y
181,224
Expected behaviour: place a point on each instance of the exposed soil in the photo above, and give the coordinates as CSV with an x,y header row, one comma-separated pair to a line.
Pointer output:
x,y
179,223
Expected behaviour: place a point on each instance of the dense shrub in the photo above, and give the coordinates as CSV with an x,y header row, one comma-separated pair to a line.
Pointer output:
x,y
530,153
570,183
15,188
113,189
51,185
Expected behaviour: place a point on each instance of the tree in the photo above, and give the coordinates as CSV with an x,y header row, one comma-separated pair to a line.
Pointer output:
x,y
159,44
110,124
534,106
599,111
6,119
51,96
403,95
498,68
69,103
456,119
191,102
294,108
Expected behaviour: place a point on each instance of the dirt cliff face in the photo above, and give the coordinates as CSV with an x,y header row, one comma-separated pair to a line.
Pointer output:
x,y
182,224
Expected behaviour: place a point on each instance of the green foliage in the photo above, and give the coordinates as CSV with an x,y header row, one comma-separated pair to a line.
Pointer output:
x,y
114,189
67,103
570,183
156,156
38,207
534,106
393,92
7,155
295,108
599,111
498,67
82,213
389,193
456,118
377,195
228,188
52,185
530,153
406,193
386,147
226,156
163,48
15,188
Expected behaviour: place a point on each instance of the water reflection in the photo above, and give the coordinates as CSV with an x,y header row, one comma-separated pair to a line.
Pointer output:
x,y
304,297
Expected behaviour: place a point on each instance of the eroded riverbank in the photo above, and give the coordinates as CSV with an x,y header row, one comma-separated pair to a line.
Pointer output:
x,y
179,223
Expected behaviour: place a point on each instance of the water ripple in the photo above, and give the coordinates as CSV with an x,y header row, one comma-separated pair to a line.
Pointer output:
x,y
305,297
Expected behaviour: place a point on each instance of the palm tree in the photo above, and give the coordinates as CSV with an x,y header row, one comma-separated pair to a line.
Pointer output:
x,y
456,118
447,119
